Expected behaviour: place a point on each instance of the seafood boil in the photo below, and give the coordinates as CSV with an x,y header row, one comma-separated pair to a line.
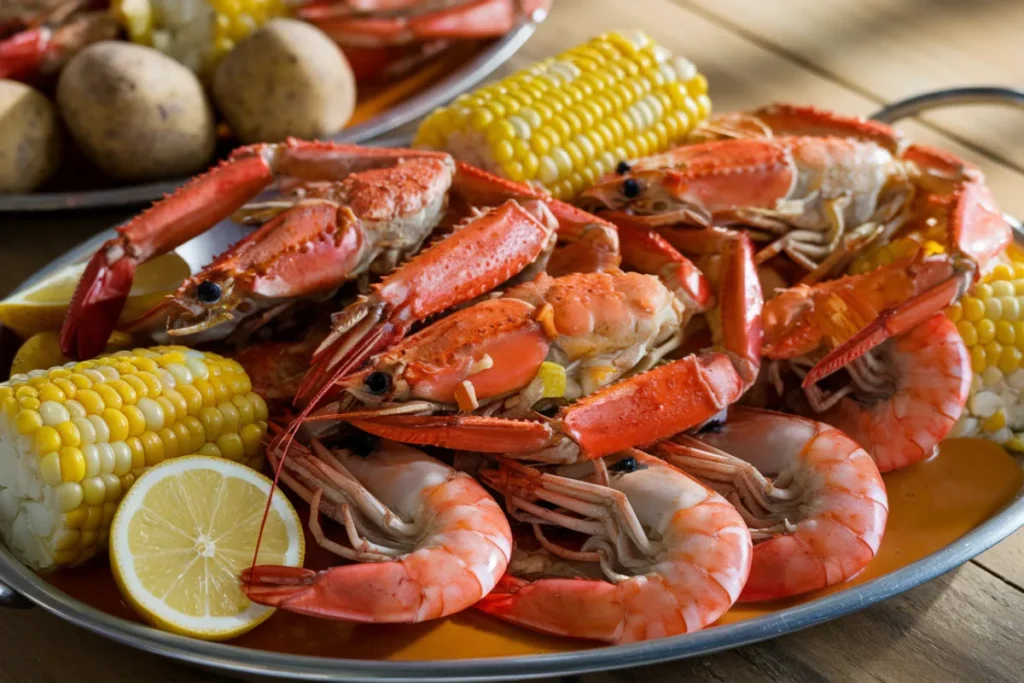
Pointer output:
x,y
611,420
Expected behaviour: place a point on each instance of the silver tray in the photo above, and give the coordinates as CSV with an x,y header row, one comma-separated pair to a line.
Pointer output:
x,y
19,587
482,65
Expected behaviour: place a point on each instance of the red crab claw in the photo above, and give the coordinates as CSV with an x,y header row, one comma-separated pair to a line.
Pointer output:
x,y
473,260
190,211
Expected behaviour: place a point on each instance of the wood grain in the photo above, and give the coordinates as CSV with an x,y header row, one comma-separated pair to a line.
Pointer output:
x,y
889,49
848,56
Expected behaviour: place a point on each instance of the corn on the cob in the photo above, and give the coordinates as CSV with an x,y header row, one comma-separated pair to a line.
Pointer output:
x,y
990,320
566,121
74,438
197,33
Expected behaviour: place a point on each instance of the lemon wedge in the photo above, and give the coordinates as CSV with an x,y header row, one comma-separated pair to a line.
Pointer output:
x,y
182,536
41,308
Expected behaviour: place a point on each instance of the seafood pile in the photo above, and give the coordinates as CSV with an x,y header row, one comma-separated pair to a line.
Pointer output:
x,y
610,420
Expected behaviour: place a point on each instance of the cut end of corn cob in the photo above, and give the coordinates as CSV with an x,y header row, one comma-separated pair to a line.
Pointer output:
x,y
74,438
197,33
567,121
990,320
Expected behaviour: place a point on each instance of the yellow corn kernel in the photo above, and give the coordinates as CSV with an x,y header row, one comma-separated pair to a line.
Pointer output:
x,y
72,464
170,441
1010,359
229,412
46,439
993,350
1004,332
94,492
117,424
986,330
252,439
974,309
49,469
153,447
231,446
135,419
212,421
994,422
69,496
196,431
28,422
978,359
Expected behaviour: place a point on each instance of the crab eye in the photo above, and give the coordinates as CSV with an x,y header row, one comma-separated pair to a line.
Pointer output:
x,y
625,465
361,444
623,168
378,383
208,292
630,188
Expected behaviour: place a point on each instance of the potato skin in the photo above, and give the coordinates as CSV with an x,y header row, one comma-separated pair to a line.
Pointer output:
x,y
136,113
287,79
30,138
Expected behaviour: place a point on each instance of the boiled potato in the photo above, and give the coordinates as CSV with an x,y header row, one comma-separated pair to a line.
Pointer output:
x,y
286,79
29,138
136,113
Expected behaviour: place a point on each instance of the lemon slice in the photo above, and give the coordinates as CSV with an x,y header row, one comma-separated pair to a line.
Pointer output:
x,y
41,308
182,536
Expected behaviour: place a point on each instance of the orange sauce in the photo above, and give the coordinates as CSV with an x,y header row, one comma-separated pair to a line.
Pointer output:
x,y
931,504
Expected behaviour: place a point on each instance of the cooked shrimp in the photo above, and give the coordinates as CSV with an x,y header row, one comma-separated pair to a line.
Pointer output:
x,y
675,553
906,372
905,395
430,541
813,499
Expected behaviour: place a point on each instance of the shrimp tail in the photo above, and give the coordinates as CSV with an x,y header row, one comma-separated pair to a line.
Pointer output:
x,y
371,592
576,608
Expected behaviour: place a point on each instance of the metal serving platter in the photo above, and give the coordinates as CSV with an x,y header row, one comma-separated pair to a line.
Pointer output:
x,y
21,588
479,67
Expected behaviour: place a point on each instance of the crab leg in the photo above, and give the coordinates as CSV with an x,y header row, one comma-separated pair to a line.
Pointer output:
x,y
647,251
794,119
468,20
190,211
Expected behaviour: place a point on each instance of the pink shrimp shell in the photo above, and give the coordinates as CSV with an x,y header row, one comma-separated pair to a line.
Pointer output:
x,y
934,378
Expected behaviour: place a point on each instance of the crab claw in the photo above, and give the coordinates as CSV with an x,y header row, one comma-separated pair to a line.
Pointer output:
x,y
99,297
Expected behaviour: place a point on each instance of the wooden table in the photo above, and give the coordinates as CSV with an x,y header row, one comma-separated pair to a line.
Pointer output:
x,y
850,56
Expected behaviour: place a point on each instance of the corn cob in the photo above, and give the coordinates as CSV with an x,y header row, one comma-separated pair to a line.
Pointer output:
x,y
74,438
566,121
197,33
990,319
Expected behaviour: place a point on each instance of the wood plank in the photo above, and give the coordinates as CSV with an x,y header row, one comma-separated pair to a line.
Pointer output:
x,y
890,49
36,646
963,626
